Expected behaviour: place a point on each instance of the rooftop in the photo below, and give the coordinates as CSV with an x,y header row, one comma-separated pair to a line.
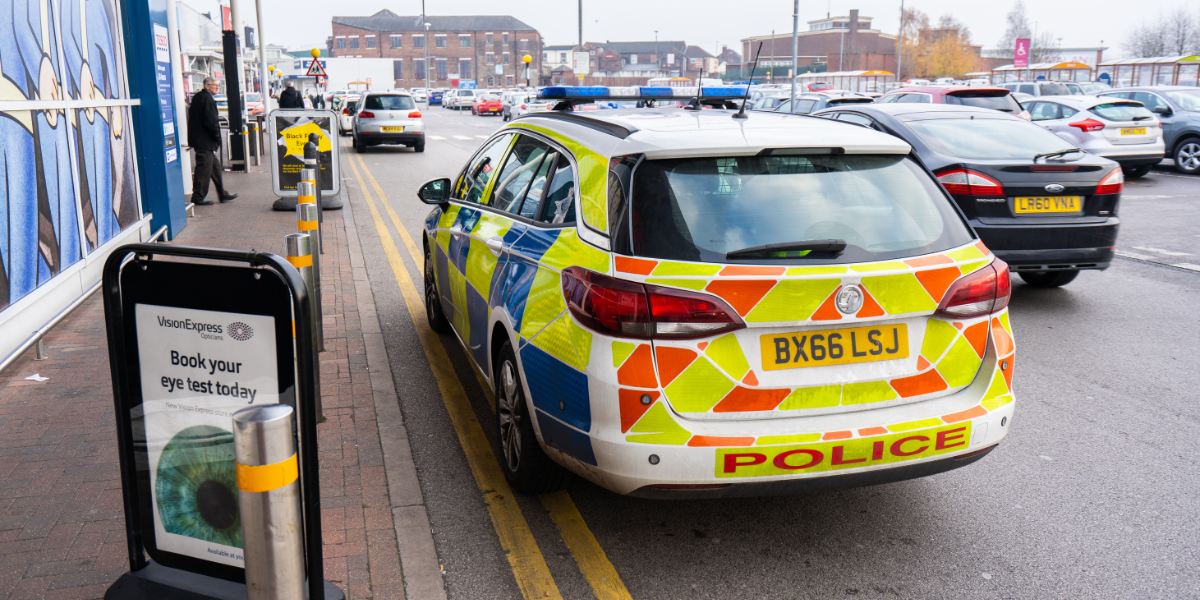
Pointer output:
x,y
387,21
649,47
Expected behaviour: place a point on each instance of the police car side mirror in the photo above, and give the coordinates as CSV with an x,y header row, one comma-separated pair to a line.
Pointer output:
x,y
435,191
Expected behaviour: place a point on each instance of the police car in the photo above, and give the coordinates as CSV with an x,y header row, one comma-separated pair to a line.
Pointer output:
x,y
679,303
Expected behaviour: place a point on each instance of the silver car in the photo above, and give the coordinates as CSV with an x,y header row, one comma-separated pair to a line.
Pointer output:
x,y
1120,130
1178,108
1040,88
459,99
524,105
388,118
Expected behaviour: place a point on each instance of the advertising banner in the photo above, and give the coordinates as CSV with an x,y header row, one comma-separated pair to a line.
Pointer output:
x,y
290,129
1021,54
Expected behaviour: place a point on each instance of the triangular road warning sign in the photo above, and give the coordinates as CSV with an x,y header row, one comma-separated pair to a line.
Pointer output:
x,y
315,69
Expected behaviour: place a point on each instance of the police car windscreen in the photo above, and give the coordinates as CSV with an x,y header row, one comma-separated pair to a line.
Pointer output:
x,y
389,103
700,209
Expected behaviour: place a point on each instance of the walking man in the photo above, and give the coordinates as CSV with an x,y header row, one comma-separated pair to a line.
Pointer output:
x,y
204,136
291,97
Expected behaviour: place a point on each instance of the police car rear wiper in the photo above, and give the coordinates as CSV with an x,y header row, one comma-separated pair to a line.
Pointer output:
x,y
830,245
1056,153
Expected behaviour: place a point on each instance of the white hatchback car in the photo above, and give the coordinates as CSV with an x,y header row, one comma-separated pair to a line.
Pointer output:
x,y
349,105
1120,130
388,118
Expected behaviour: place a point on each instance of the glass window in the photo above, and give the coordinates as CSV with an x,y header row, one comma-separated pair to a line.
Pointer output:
x,y
518,171
505,38
1044,111
889,99
533,197
1002,102
489,38
341,43
397,69
1122,111
913,99
804,106
1124,76
387,102
559,205
1145,74
1189,75
464,41
1029,88
370,41
464,68
491,58
419,68
354,42
418,41
396,41
1150,100
439,41
987,138
1054,89
441,68
474,180
701,209
1188,100
1066,112
853,118
523,46
506,58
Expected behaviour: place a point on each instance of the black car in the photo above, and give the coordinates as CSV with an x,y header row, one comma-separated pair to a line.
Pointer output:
x,y
1045,208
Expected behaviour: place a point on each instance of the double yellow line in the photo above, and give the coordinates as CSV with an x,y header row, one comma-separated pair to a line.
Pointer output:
x,y
524,556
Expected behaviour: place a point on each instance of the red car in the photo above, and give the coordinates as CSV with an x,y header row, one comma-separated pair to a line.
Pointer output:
x,y
487,104
979,97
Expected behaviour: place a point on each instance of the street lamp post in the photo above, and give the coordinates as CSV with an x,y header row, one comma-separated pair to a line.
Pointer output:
x,y
426,49
657,59
528,59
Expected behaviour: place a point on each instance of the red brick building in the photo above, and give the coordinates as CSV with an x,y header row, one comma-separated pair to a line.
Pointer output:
x,y
487,49
845,43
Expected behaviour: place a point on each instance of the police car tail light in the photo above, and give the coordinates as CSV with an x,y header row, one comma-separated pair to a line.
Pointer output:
x,y
982,292
962,182
607,305
1113,184
681,314
366,115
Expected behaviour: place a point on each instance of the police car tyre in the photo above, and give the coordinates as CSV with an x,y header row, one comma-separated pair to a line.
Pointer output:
x,y
1135,172
1187,156
1048,279
433,307
526,466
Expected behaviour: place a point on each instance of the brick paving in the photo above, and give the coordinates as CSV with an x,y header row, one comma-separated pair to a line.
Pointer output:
x,y
62,527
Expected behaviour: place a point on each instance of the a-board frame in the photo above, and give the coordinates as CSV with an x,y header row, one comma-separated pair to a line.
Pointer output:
x,y
288,130
189,305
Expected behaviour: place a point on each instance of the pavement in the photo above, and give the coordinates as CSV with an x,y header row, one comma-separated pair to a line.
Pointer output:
x,y
62,527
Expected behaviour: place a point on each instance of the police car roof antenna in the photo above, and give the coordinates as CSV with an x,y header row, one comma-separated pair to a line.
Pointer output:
x,y
741,113
694,104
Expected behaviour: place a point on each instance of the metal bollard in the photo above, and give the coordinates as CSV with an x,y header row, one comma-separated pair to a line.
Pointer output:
x,y
307,222
312,150
269,502
306,191
40,351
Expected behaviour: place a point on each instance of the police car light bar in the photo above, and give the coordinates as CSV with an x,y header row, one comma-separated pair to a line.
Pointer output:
x,y
592,93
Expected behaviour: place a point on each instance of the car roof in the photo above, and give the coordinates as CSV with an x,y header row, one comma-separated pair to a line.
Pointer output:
x,y
681,133
943,90
1151,88
916,112
1086,100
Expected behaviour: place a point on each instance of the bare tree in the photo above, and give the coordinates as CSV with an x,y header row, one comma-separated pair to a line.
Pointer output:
x,y
1017,26
1171,34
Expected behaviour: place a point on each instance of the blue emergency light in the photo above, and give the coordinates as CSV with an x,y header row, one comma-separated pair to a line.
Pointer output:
x,y
591,93
561,92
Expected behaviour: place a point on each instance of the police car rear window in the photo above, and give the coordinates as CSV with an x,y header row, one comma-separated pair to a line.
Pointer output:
x,y
701,209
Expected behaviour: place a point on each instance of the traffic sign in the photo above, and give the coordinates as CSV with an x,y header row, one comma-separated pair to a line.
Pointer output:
x,y
315,69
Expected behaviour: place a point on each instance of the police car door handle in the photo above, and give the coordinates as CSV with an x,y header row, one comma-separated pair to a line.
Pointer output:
x,y
496,245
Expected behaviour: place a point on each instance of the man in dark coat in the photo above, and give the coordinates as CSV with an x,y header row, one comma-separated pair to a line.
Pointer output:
x,y
291,97
204,136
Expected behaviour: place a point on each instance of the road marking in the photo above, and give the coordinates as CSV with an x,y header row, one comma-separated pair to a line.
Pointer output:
x,y
482,137
1161,251
1134,255
1188,266
436,137
1151,197
461,137
528,565
593,562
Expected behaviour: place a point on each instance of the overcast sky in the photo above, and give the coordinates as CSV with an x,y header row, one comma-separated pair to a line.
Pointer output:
x,y
711,24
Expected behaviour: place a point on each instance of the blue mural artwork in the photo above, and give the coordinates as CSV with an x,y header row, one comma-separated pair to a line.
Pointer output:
x,y
68,173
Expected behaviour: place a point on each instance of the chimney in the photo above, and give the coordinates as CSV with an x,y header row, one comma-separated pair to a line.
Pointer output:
x,y
853,20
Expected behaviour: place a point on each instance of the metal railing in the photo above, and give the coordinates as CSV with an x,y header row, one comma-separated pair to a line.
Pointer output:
x,y
35,340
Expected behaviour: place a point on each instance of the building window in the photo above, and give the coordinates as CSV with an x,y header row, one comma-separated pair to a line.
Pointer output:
x,y
441,69
491,58
510,81
397,69
397,41
419,68
505,38
592,63
633,59
418,41
464,68
562,57
491,81
489,37
506,58
354,42
341,43
439,41
523,46
464,41
545,57
370,41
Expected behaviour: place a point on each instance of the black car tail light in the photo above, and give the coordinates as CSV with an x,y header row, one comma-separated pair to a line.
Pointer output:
x,y
965,182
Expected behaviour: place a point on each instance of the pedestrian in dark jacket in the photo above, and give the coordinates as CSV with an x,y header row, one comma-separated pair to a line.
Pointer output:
x,y
291,97
204,136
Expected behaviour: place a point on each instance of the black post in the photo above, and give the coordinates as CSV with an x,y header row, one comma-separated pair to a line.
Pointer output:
x,y
233,91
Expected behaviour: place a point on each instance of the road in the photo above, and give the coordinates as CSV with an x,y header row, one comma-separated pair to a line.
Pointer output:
x,y
1092,495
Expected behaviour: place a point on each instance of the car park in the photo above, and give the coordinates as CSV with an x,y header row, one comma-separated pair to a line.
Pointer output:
x,y
529,104
459,99
349,104
487,104
675,303
1120,130
388,118
1038,88
1178,109
809,102
994,98
1046,208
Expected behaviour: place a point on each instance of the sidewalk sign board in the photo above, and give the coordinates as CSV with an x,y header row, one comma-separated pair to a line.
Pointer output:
x,y
189,345
289,128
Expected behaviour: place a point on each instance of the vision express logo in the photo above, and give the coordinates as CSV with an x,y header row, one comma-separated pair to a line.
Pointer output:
x,y
236,330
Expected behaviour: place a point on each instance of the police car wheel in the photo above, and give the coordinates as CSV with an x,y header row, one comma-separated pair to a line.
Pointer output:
x,y
433,306
1048,279
526,466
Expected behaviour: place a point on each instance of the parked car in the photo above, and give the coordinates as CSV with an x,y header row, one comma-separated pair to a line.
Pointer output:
x,y
1038,88
388,118
809,103
1094,87
349,104
1178,109
254,104
527,105
222,102
487,104
777,318
435,97
419,95
1121,130
995,98
459,99
1046,208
